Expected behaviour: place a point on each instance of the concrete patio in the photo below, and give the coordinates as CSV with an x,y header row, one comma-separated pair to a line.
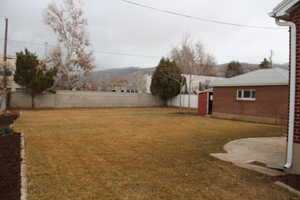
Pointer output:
x,y
258,154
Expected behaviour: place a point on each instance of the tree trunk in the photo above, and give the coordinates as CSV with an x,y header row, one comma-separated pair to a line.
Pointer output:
x,y
32,101
166,102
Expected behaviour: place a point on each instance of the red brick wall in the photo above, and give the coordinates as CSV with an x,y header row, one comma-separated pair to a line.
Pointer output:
x,y
271,102
295,17
202,103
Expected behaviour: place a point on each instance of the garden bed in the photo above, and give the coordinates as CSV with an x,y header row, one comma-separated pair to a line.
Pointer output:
x,y
10,166
290,180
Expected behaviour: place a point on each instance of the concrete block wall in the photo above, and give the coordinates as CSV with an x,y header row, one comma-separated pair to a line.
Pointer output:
x,y
74,99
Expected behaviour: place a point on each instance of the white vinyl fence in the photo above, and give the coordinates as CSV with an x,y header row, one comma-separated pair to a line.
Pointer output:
x,y
175,102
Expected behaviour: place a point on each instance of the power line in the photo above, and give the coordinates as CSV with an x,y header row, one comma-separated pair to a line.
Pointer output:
x,y
46,45
125,54
31,43
200,18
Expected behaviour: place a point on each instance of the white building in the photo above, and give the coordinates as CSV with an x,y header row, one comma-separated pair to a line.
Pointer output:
x,y
198,83
11,66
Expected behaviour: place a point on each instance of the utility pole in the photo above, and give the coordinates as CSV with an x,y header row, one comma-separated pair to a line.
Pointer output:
x,y
271,58
46,50
5,71
5,53
5,40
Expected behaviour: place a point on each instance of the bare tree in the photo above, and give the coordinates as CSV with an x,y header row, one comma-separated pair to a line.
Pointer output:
x,y
192,59
72,54
140,82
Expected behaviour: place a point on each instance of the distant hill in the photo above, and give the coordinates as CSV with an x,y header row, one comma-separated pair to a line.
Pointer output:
x,y
120,73
130,73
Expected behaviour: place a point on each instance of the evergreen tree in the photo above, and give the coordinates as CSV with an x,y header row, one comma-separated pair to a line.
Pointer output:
x,y
166,80
234,68
265,64
33,74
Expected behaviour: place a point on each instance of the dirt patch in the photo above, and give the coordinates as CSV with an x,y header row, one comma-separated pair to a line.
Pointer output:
x,y
291,180
10,159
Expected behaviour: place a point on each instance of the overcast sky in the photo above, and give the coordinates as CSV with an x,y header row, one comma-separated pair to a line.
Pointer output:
x,y
115,26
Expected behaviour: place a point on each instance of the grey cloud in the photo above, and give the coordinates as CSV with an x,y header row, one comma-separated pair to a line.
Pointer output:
x,y
119,27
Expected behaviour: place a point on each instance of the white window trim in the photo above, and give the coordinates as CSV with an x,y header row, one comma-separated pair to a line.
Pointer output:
x,y
243,98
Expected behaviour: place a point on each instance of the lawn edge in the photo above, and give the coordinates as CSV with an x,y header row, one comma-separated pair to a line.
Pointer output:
x,y
23,169
289,188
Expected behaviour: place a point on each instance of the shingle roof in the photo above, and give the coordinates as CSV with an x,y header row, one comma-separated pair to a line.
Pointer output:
x,y
263,77
282,9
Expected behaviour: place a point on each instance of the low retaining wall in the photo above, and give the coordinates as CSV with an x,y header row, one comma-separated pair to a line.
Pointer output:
x,y
72,99
23,169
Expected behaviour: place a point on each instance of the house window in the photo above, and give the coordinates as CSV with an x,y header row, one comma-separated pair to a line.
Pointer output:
x,y
246,94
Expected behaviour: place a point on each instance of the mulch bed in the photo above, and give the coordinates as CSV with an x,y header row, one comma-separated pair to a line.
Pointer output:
x,y
10,167
291,180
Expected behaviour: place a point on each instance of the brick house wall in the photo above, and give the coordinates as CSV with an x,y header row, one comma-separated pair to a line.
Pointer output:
x,y
295,17
270,106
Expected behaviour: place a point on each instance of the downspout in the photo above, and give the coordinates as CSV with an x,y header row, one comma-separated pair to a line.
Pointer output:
x,y
292,25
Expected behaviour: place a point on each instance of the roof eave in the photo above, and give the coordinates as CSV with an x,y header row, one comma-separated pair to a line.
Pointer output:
x,y
283,16
282,11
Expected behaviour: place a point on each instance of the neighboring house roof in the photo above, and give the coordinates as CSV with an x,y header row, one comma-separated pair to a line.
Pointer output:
x,y
262,77
196,79
202,78
284,8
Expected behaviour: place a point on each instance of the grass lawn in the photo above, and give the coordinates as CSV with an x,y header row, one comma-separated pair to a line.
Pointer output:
x,y
137,154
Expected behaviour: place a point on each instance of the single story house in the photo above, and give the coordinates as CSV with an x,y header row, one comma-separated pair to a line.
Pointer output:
x,y
287,14
125,89
257,96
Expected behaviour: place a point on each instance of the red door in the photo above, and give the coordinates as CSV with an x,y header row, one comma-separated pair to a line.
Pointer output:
x,y
202,103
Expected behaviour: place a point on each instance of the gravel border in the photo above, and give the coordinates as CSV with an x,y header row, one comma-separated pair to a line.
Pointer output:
x,y
23,170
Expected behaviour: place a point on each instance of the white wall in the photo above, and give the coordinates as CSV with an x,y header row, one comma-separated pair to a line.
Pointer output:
x,y
195,81
77,99
184,101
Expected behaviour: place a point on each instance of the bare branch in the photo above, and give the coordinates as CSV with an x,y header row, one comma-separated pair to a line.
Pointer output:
x,y
73,53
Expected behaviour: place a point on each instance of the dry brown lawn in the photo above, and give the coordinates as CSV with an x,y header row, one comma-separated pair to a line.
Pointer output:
x,y
137,154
